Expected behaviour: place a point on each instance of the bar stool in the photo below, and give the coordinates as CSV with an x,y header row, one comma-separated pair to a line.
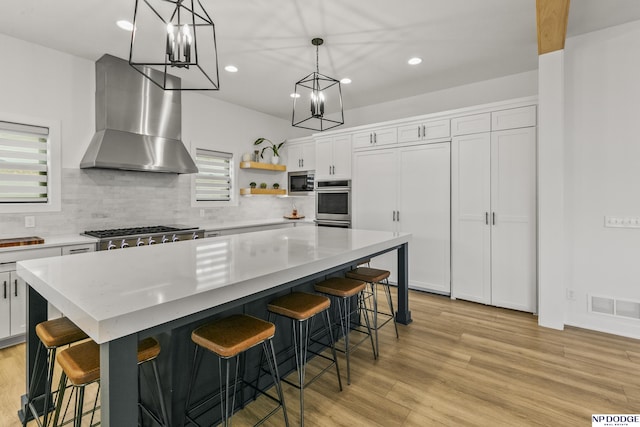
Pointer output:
x,y
81,366
375,276
344,291
302,308
228,338
52,334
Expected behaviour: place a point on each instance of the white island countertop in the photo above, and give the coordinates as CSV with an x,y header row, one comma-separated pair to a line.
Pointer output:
x,y
112,294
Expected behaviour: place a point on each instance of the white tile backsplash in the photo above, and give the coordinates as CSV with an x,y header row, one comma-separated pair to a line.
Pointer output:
x,y
95,199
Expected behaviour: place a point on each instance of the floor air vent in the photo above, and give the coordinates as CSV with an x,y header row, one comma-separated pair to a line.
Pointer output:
x,y
614,307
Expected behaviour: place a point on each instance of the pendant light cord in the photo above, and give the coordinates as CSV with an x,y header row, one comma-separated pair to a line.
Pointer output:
x,y
317,61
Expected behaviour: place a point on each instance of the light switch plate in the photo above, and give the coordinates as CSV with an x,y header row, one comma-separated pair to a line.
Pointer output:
x,y
29,221
622,221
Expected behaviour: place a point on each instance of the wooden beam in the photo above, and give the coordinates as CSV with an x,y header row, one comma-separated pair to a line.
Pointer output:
x,y
551,18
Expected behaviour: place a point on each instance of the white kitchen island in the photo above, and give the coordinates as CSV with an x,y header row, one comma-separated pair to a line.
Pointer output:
x,y
119,297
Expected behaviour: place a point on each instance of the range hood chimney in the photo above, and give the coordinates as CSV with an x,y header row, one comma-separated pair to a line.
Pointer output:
x,y
138,125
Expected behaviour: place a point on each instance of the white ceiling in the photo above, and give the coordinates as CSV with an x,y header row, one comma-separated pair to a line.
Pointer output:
x,y
369,41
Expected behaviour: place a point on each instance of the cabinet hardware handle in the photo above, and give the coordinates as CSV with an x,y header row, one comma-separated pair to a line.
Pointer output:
x,y
302,162
5,289
375,138
394,216
15,282
398,216
370,138
418,132
486,218
424,131
493,218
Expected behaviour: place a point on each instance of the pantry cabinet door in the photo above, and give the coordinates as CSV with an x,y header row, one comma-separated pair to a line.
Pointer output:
x,y
513,233
374,197
470,211
424,200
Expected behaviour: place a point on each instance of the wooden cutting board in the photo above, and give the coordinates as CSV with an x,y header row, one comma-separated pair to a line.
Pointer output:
x,y
21,241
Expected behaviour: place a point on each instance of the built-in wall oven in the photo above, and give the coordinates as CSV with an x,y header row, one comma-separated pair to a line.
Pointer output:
x,y
333,203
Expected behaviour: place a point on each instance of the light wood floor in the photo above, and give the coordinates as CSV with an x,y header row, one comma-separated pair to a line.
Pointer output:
x,y
457,364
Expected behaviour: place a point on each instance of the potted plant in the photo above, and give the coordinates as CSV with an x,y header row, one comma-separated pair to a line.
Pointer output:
x,y
276,186
275,159
263,185
252,184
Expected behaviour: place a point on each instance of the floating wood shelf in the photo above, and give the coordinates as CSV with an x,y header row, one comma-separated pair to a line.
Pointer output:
x,y
263,166
267,191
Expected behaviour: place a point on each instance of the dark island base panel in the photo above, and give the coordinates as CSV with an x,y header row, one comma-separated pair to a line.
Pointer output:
x,y
175,364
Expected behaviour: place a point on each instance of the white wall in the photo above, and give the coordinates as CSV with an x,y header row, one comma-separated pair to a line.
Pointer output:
x,y
602,172
484,92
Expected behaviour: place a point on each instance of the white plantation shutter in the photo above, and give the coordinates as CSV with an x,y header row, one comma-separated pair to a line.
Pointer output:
x,y
24,167
214,178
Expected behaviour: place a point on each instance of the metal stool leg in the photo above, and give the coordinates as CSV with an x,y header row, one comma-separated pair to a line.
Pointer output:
x,y
273,368
390,301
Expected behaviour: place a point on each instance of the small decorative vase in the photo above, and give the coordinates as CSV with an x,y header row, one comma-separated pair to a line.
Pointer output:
x,y
275,160
246,157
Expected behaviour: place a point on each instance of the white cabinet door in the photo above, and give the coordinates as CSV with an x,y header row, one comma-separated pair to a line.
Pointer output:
x,y
470,210
294,157
513,118
374,197
513,233
436,129
375,138
308,156
341,157
5,305
18,305
324,158
424,211
301,157
476,123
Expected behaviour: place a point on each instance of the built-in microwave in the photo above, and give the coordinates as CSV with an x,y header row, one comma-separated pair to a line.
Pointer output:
x,y
301,183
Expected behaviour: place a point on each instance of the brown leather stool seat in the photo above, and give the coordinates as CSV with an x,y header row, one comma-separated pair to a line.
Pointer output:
x,y
301,308
81,366
228,338
52,333
375,276
344,290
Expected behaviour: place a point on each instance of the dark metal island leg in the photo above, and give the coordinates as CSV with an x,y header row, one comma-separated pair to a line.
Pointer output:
x,y
403,315
119,382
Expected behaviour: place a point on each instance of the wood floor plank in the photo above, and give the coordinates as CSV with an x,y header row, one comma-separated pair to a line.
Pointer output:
x,y
457,364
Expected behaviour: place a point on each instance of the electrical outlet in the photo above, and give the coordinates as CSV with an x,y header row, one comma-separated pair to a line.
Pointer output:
x,y
29,221
622,222
571,296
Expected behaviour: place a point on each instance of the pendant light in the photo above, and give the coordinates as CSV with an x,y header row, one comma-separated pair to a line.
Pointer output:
x,y
317,100
175,38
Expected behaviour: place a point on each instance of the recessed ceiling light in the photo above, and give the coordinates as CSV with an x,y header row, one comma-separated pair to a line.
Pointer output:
x,y
414,61
125,25
345,81
231,68
295,95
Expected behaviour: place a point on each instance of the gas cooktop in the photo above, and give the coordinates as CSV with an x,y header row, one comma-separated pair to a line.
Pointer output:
x,y
135,231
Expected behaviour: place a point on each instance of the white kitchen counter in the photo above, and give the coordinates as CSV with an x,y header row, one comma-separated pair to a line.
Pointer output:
x,y
111,294
53,241
119,296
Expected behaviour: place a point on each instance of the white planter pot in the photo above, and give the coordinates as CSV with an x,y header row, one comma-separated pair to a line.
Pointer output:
x,y
275,160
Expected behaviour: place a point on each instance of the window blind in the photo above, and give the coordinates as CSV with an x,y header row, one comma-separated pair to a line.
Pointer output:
x,y
24,168
214,177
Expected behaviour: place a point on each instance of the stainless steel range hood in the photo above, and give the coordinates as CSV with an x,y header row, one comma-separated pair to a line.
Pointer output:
x,y
138,125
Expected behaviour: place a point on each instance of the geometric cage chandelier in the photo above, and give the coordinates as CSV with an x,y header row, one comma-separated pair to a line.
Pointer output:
x,y
175,38
317,100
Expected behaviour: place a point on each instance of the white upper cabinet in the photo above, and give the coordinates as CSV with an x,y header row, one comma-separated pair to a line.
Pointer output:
x,y
301,156
467,125
513,118
333,157
424,131
375,138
